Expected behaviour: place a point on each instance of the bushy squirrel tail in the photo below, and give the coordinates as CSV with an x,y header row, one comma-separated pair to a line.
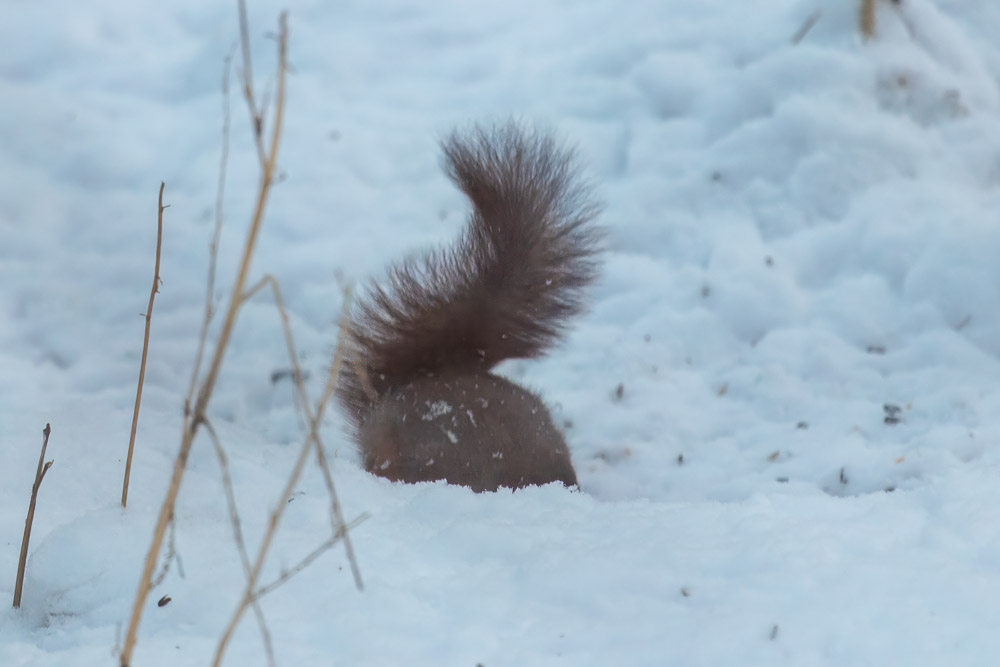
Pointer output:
x,y
506,288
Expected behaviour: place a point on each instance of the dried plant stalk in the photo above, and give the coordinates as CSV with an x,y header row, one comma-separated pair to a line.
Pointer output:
x,y
305,562
313,421
241,545
807,25
145,344
312,442
197,415
39,476
213,247
866,19
256,117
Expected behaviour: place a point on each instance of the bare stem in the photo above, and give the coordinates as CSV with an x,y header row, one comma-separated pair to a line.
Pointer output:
x,y
808,25
866,19
256,119
43,467
312,440
213,248
336,515
305,562
145,344
272,527
241,545
173,555
267,177
208,384
313,421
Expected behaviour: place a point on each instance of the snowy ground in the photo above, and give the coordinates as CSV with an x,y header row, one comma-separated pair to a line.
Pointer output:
x,y
804,241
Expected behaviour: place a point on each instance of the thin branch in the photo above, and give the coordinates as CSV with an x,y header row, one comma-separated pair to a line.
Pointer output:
x,y
311,441
807,26
305,562
313,421
866,19
145,343
272,526
208,384
43,467
172,555
267,176
241,546
336,515
297,376
256,119
279,302
213,248
265,100
227,485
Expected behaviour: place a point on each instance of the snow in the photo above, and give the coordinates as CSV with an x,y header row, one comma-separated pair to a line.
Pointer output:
x,y
782,405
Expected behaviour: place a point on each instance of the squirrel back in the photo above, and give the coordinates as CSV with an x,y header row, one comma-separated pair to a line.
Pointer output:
x,y
416,385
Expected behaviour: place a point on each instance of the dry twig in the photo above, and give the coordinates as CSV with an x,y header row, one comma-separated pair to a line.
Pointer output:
x,y
241,545
213,247
305,562
145,343
195,413
272,526
311,442
198,411
256,118
808,25
313,421
173,555
39,476
866,19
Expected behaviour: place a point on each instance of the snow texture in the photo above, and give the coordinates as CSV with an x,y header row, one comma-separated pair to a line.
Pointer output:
x,y
783,404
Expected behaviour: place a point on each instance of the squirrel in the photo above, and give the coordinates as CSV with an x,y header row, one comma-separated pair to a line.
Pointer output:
x,y
416,383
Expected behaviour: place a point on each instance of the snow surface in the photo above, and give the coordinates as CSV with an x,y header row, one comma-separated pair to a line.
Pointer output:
x,y
803,241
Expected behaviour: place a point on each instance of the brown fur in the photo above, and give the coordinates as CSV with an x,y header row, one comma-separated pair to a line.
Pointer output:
x,y
416,386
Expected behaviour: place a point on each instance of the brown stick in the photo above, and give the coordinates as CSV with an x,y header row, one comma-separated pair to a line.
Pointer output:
x,y
272,527
311,440
256,119
267,177
173,556
808,25
213,247
336,515
208,384
241,545
866,19
39,476
313,421
305,562
145,344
